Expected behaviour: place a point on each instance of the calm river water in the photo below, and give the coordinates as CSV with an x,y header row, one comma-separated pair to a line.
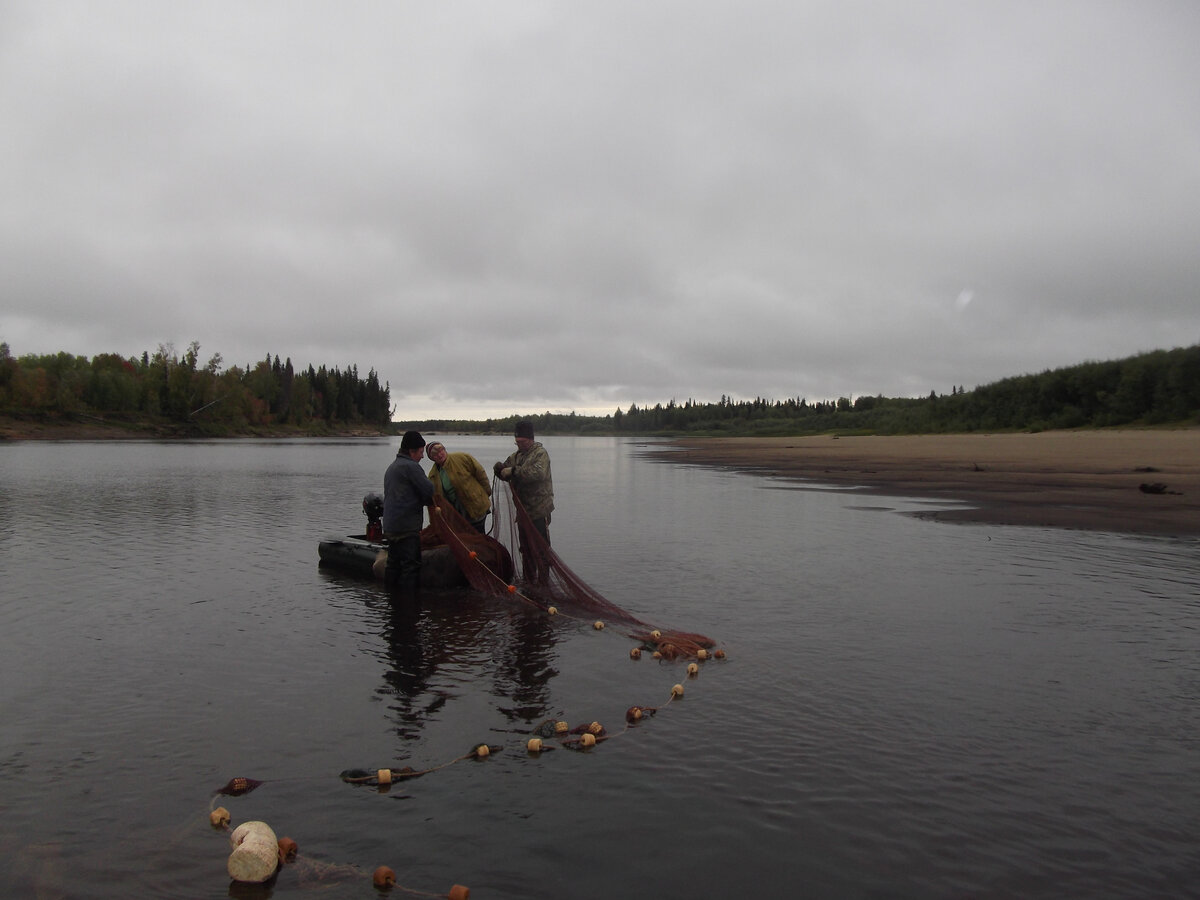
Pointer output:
x,y
908,709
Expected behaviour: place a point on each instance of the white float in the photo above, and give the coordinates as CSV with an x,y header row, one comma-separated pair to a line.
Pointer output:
x,y
255,855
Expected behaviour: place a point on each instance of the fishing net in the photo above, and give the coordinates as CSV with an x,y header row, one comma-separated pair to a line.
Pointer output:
x,y
515,554
485,562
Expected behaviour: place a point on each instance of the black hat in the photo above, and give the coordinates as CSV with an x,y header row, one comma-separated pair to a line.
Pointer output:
x,y
524,430
411,441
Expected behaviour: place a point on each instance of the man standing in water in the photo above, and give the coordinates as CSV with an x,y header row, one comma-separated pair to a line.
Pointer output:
x,y
406,493
528,472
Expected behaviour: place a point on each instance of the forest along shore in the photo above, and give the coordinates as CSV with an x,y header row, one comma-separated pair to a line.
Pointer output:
x,y
97,429
1138,481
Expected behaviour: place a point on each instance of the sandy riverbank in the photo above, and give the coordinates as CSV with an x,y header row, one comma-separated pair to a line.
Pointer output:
x,y
1069,479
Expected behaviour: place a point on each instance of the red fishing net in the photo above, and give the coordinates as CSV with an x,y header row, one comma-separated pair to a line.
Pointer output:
x,y
515,559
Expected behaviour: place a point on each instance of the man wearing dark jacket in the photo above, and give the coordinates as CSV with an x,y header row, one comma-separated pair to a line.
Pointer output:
x,y
406,493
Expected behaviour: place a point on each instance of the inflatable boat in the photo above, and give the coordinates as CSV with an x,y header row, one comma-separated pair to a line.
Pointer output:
x,y
358,554
366,554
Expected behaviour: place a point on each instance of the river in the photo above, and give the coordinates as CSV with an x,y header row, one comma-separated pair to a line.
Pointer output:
x,y
907,709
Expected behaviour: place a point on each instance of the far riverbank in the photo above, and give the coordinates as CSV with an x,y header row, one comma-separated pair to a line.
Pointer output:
x,y
93,428
1087,479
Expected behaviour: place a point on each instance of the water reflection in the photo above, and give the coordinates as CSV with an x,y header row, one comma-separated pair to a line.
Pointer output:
x,y
439,644
413,662
523,669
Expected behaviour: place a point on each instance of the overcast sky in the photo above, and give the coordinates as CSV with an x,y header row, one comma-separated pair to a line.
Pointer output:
x,y
525,206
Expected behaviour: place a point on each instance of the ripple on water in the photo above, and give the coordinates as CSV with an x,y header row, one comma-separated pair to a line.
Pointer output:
x,y
908,709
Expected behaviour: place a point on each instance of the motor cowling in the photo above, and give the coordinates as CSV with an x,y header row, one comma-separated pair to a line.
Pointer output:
x,y
372,506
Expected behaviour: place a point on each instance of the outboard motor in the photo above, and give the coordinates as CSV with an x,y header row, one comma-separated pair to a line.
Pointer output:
x,y
373,510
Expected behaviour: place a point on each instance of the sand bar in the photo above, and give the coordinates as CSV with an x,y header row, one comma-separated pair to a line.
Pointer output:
x,y
1065,479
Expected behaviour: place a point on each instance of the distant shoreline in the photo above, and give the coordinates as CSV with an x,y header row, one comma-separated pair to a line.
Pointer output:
x,y
1088,480
96,429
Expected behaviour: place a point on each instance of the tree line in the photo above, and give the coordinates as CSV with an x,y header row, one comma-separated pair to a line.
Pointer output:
x,y
1154,388
182,394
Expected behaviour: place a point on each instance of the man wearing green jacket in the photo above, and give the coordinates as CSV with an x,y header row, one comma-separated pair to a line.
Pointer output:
x,y
528,472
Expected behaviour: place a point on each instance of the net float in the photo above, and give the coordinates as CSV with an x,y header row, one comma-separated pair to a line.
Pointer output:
x,y
287,849
255,855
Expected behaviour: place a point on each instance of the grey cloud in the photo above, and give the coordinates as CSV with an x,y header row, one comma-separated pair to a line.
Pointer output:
x,y
554,206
